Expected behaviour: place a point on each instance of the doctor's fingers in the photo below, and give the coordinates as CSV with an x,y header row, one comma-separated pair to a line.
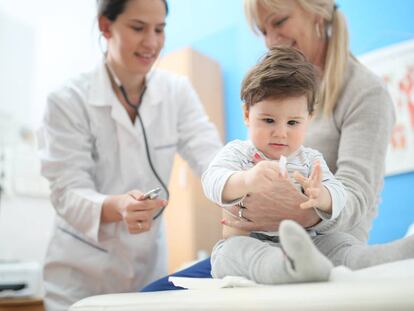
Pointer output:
x,y
132,217
139,226
148,204
134,194
139,221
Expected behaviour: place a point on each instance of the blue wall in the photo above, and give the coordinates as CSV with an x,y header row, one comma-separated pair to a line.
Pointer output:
x,y
218,29
375,24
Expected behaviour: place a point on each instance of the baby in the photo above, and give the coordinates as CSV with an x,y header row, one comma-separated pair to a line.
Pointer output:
x,y
279,95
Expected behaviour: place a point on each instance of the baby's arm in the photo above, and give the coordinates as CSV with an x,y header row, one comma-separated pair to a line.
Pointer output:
x,y
235,187
256,179
259,178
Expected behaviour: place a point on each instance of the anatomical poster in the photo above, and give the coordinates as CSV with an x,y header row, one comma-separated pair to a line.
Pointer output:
x,y
395,65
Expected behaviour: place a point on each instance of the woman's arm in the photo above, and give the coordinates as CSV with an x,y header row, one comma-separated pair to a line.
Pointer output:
x,y
265,211
366,123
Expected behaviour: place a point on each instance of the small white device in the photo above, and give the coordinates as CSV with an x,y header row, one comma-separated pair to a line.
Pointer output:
x,y
282,165
19,279
152,194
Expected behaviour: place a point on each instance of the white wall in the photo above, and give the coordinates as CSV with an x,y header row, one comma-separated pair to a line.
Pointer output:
x,y
56,39
42,43
25,225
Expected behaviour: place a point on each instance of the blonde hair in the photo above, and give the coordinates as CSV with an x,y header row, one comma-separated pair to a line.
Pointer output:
x,y
337,36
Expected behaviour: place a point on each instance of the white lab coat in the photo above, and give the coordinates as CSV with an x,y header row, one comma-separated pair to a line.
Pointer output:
x,y
89,149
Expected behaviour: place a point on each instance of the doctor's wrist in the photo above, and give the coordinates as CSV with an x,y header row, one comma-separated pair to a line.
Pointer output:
x,y
112,209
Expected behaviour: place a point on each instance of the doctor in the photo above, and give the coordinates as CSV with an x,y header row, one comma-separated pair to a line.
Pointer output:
x,y
109,136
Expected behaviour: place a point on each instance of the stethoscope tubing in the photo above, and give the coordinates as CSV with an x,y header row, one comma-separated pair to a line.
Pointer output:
x,y
136,108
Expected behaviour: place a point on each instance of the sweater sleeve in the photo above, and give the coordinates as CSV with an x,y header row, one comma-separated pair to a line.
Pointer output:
x,y
365,131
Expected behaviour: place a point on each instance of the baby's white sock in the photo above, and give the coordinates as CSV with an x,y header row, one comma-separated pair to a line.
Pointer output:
x,y
307,263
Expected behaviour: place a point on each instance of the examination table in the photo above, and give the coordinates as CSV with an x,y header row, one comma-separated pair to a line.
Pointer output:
x,y
384,287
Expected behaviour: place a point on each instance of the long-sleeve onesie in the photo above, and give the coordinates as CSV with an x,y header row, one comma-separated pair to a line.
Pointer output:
x,y
245,256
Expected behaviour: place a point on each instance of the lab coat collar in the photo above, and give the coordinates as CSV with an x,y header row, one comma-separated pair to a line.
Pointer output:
x,y
101,93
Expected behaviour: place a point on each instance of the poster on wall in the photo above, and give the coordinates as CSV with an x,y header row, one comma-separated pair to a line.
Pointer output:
x,y
395,65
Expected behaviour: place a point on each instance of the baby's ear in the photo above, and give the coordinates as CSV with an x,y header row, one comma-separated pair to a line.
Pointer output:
x,y
245,108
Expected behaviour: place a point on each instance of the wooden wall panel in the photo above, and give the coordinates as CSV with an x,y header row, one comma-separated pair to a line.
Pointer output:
x,y
192,221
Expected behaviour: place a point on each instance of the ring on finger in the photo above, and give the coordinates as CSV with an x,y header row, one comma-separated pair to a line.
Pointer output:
x,y
241,208
139,223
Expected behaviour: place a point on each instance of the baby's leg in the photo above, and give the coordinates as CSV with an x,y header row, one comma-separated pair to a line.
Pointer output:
x,y
345,249
268,264
252,259
308,264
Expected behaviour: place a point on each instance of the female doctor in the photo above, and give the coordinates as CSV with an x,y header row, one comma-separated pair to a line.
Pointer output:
x,y
109,136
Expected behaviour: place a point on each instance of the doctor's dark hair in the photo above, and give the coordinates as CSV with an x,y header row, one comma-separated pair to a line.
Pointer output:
x,y
112,8
282,73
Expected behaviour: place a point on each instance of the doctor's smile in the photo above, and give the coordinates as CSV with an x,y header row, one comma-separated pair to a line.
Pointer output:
x,y
147,59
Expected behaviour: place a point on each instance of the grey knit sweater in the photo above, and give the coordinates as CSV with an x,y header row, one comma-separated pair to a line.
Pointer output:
x,y
354,143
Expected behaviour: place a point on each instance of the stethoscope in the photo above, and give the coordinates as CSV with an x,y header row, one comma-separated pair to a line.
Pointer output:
x,y
136,109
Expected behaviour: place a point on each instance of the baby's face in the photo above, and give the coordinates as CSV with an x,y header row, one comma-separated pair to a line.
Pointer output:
x,y
278,126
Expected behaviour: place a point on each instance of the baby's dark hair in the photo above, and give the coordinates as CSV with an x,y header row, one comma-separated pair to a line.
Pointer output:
x,y
283,72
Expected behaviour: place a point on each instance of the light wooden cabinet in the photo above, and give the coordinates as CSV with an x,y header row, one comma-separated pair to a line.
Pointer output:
x,y
193,222
21,304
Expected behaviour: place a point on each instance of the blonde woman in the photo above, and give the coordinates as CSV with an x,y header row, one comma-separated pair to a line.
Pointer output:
x,y
353,120
351,127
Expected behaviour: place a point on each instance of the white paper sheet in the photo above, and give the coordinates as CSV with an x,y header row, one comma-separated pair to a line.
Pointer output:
x,y
393,270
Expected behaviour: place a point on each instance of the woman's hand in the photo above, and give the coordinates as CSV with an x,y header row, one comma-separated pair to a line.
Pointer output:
x,y
265,211
131,208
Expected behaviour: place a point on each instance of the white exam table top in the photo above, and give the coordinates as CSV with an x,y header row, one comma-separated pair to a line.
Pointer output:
x,y
384,287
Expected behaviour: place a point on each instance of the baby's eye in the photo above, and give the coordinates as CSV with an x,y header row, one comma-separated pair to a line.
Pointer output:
x,y
293,122
268,120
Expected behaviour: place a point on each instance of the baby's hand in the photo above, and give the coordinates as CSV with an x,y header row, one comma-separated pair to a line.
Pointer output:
x,y
262,176
318,195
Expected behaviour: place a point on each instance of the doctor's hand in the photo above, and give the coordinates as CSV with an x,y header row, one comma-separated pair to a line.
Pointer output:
x,y
131,208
